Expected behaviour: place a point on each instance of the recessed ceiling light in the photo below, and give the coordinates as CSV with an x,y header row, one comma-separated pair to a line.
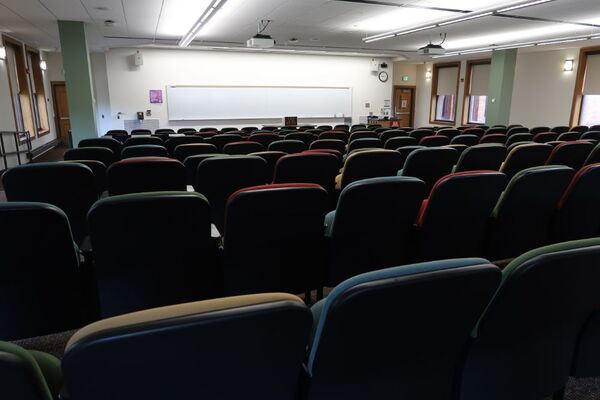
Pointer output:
x,y
293,40
101,8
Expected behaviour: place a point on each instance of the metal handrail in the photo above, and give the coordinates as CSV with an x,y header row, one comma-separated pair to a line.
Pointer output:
x,y
17,136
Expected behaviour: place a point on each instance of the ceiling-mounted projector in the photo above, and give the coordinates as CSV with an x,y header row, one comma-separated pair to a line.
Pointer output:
x,y
260,41
431,49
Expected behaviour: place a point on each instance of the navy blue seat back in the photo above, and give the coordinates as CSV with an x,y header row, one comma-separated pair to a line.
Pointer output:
x,y
107,142
146,150
173,142
288,146
69,186
466,139
430,164
523,156
333,144
141,140
370,164
364,143
314,167
522,218
161,254
578,215
242,148
399,141
217,178
481,157
264,138
571,154
222,139
392,133
525,341
271,157
99,171
184,151
274,239
42,286
398,333
145,174
388,206
454,220
518,138
104,155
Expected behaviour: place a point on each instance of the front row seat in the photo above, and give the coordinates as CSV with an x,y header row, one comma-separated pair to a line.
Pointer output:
x,y
194,348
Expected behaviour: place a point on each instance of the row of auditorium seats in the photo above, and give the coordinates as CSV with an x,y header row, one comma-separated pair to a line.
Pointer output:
x,y
451,329
218,176
158,248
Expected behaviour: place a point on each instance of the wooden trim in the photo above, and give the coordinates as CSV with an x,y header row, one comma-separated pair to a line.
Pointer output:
x,y
434,86
53,85
466,93
579,81
6,39
412,101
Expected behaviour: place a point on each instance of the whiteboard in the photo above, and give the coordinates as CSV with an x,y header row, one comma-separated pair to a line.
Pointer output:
x,y
255,102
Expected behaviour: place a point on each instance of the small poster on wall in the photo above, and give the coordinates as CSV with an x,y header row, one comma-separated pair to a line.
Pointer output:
x,y
156,96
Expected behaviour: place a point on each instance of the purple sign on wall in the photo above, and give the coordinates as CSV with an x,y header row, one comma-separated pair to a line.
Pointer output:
x,y
155,96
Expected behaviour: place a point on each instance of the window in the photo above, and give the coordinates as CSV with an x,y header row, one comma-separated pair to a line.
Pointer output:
x,y
590,104
443,92
476,91
39,96
445,108
590,110
26,112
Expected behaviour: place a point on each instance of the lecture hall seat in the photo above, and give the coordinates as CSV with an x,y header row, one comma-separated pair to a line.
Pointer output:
x,y
518,138
243,147
429,164
372,226
183,151
577,214
523,156
398,333
522,219
107,142
102,154
69,186
145,150
43,286
481,157
391,133
370,163
29,374
524,344
217,178
571,154
394,143
332,144
146,174
471,196
143,140
153,249
274,238
230,348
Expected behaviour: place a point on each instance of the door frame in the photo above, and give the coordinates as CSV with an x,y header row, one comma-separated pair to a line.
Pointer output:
x,y
53,85
412,105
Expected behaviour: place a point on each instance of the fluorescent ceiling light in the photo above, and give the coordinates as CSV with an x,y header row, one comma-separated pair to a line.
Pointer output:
x,y
490,11
518,6
454,21
214,6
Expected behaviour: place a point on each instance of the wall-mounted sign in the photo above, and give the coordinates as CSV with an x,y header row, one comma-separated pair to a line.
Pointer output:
x,y
405,78
156,96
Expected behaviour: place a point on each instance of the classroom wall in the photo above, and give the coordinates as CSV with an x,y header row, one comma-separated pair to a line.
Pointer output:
x,y
129,86
543,92
403,69
101,92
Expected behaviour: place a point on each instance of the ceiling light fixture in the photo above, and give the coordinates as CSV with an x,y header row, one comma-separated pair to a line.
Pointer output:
x,y
210,11
2,52
472,16
518,6
518,45
43,65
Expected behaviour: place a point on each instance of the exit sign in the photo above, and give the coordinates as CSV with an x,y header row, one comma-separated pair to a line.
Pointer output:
x,y
405,78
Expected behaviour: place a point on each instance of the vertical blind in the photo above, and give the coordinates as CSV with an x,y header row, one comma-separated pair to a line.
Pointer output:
x,y
447,81
591,84
480,79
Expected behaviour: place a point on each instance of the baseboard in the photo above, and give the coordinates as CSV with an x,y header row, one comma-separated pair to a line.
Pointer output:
x,y
38,151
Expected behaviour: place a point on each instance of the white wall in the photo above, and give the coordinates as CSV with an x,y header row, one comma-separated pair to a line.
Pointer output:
x,y
129,86
423,100
543,92
101,93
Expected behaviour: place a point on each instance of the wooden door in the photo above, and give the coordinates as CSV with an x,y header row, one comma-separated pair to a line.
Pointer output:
x,y
404,105
61,110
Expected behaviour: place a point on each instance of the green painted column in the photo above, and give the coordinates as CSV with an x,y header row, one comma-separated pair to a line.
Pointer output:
x,y
502,76
78,78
